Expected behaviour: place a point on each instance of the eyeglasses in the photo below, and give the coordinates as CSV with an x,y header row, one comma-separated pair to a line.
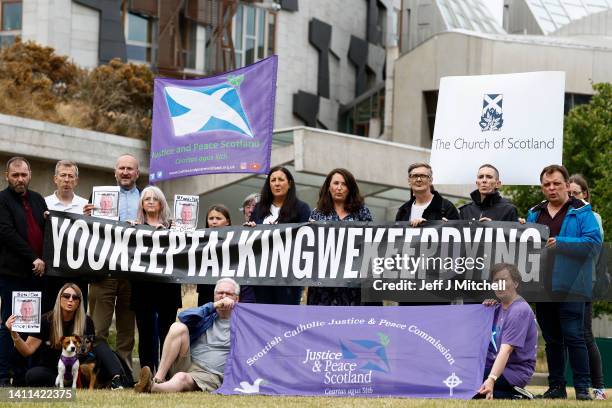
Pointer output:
x,y
69,296
575,193
419,176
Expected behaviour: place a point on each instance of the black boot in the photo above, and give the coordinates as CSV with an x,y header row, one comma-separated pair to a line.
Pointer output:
x,y
582,394
554,392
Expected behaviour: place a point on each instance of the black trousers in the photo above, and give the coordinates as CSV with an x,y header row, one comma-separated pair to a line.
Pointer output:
x,y
110,366
593,350
153,325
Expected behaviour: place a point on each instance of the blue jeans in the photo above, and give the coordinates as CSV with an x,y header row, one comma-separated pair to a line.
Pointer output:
x,y
562,325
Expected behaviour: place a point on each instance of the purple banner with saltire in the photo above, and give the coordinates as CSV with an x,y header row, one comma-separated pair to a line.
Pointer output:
x,y
219,124
417,351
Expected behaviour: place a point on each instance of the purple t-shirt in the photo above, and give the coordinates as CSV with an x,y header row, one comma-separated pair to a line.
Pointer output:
x,y
515,326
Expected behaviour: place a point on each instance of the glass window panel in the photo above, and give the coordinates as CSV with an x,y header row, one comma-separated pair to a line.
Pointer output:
x,y
238,59
250,23
602,3
575,12
560,20
271,24
249,51
547,25
261,30
6,40
238,29
448,16
11,16
138,28
137,53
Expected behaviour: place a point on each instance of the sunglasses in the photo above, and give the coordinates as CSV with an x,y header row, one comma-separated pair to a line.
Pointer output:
x,y
69,296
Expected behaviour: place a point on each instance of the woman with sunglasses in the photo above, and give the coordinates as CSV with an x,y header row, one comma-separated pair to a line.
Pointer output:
x,y
66,319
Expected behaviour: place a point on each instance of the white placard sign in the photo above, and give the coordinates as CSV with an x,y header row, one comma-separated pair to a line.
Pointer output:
x,y
512,121
26,309
106,202
185,212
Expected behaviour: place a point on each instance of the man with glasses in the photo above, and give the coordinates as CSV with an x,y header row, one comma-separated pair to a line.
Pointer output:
x,y
487,204
196,348
22,224
425,203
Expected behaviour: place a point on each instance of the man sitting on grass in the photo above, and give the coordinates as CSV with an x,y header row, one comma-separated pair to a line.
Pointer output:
x,y
195,349
511,356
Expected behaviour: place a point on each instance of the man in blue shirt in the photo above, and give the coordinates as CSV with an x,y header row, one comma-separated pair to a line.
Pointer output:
x,y
111,294
196,348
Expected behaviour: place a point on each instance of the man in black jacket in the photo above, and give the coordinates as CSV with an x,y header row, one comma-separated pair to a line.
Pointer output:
x,y
21,249
487,204
425,203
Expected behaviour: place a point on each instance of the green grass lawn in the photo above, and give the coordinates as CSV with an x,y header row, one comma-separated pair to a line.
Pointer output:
x,y
128,398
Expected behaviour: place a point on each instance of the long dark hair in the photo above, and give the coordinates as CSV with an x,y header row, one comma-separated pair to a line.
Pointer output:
x,y
354,200
288,211
219,208
581,181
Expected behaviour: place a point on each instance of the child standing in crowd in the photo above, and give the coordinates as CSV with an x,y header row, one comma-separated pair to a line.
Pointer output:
x,y
218,216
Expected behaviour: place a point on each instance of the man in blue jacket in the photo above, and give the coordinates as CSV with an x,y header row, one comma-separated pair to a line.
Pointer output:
x,y
197,347
575,236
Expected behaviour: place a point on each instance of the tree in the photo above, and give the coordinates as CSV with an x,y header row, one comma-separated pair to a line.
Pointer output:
x,y
587,149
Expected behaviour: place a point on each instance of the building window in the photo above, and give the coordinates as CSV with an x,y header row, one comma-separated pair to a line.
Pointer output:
x,y
431,103
367,110
253,34
189,35
139,35
11,15
575,99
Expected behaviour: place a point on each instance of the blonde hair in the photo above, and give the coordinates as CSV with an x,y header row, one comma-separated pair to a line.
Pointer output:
x,y
164,211
57,323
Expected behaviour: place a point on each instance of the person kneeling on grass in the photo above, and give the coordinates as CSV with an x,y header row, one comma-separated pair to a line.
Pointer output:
x,y
511,356
195,350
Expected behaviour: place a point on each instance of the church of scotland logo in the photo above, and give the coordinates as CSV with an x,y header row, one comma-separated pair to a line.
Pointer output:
x,y
491,118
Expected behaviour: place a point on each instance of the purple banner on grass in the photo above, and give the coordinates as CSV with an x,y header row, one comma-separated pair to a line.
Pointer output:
x,y
425,352
220,124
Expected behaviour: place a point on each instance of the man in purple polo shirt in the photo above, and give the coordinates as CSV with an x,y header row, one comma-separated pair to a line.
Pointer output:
x,y
511,356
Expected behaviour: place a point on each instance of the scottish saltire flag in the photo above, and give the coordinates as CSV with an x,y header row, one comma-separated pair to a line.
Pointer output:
x,y
219,124
357,351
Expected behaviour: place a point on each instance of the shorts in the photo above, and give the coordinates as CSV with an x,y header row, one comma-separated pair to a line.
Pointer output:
x,y
204,379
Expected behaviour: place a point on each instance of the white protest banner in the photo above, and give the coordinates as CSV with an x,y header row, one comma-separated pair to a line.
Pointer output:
x,y
512,121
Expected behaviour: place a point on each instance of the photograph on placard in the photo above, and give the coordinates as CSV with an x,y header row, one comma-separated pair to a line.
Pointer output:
x,y
106,202
186,212
26,309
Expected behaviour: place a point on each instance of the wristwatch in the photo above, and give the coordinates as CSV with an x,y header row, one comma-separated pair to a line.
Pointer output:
x,y
493,377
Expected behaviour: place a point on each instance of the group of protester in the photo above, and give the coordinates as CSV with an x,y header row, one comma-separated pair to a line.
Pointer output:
x,y
195,348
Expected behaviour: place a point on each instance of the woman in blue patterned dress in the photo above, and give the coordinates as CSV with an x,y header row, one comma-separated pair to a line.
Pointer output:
x,y
339,200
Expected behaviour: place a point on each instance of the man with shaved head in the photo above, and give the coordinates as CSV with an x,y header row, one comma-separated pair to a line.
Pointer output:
x,y
113,294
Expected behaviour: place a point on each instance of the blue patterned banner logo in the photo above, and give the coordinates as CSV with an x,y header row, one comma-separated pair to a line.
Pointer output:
x,y
492,116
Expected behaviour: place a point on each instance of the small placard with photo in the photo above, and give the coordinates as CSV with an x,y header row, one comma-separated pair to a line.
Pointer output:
x,y
26,309
186,212
106,202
